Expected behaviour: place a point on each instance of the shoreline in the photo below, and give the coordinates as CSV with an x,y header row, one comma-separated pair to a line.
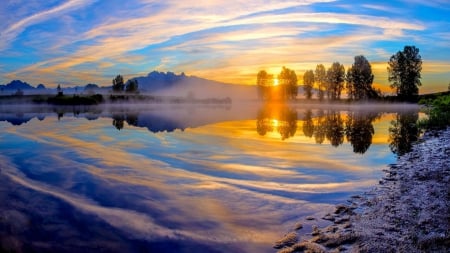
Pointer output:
x,y
408,211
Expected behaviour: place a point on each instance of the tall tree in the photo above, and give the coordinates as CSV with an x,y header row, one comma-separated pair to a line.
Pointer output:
x,y
261,82
59,90
132,86
308,80
321,79
288,78
361,77
404,72
335,78
118,84
349,84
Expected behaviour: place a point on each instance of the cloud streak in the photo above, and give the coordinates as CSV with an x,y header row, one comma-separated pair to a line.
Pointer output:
x,y
10,34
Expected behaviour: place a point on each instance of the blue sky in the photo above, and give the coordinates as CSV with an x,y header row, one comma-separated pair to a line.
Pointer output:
x,y
87,41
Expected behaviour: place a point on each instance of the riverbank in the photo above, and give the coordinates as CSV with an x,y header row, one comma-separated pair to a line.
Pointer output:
x,y
409,211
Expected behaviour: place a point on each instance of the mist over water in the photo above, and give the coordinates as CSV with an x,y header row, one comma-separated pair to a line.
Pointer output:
x,y
170,177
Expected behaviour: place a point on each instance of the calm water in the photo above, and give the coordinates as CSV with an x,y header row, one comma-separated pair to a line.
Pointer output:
x,y
178,178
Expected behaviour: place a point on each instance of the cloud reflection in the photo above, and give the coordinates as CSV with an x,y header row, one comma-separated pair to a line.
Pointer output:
x,y
221,182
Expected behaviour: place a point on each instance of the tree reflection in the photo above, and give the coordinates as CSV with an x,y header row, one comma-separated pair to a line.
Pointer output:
x,y
118,120
403,133
359,130
308,124
277,117
319,130
334,128
328,125
132,119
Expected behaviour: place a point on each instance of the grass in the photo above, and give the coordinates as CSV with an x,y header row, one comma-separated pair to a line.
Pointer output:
x,y
438,111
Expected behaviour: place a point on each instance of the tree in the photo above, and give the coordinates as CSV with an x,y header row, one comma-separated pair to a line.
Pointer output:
x,y
59,90
335,80
308,80
321,79
404,72
262,81
118,84
288,79
132,86
350,85
361,79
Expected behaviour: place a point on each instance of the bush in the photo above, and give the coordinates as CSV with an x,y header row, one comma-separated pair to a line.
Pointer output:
x,y
438,111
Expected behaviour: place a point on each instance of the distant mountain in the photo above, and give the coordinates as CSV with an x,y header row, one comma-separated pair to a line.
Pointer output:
x,y
171,84
16,85
159,80
41,87
155,83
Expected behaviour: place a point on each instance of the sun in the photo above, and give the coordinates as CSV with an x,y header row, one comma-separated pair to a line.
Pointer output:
x,y
275,82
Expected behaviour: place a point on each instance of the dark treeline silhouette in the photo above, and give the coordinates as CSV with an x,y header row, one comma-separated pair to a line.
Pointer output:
x,y
404,75
332,82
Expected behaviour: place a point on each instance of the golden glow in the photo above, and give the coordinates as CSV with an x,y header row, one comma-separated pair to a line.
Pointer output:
x,y
275,123
275,82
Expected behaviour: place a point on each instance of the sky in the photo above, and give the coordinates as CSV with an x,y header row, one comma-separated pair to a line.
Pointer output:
x,y
75,42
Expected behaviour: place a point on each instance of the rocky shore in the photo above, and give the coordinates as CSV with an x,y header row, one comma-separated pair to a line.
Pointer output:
x,y
409,211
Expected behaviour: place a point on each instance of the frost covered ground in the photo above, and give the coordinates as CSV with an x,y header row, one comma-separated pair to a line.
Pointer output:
x,y
409,211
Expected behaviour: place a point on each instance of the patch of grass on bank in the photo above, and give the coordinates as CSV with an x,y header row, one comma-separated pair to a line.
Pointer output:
x,y
438,111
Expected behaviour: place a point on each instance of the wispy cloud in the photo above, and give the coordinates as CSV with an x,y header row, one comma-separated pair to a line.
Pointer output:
x,y
215,40
9,34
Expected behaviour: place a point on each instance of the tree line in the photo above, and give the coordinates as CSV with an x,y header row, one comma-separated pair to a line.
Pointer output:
x,y
404,69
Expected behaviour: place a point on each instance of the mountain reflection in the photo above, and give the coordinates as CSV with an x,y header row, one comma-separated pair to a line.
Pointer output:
x,y
283,120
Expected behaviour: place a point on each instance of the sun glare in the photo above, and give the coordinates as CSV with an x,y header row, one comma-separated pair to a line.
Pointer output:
x,y
275,82
275,123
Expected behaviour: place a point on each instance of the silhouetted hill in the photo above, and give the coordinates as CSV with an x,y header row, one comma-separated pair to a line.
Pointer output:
x,y
41,87
159,80
16,85
155,83
171,84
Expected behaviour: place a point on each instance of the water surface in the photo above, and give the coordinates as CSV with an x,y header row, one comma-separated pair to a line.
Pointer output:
x,y
178,178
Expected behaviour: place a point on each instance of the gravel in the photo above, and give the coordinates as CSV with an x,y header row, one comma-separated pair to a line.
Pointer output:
x,y
409,211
